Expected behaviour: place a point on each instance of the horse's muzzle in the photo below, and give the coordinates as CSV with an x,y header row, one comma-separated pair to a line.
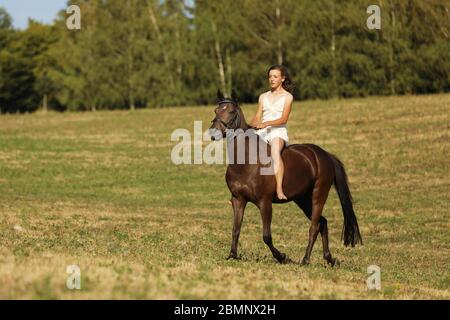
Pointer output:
x,y
216,134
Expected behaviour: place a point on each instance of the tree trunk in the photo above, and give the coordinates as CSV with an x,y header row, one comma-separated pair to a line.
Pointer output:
x,y
161,44
333,50
179,53
279,33
229,71
130,53
219,60
390,34
131,99
391,51
45,103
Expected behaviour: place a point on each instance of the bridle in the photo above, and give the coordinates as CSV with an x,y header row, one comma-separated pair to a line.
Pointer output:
x,y
234,120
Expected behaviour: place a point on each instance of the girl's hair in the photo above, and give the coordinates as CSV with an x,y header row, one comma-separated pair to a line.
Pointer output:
x,y
288,85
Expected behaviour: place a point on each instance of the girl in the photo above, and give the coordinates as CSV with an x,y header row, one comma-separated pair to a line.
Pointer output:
x,y
271,118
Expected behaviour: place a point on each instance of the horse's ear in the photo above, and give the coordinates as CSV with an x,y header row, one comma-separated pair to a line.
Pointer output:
x,y
234,96
220,96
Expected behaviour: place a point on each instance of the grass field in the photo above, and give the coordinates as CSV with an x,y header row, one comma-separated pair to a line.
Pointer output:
x,y
99,190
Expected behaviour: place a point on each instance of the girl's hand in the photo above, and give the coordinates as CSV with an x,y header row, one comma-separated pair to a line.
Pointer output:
x,y
261,125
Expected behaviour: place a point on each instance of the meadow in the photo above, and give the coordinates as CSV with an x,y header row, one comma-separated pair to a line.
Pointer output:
x,y
98,190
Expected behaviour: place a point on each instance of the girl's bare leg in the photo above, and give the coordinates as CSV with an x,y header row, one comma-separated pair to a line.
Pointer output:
x,y
277,145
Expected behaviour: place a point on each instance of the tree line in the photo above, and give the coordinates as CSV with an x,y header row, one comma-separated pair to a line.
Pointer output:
x,y
154,53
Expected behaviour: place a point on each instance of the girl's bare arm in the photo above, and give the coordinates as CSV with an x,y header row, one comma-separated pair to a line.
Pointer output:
x,y
258,117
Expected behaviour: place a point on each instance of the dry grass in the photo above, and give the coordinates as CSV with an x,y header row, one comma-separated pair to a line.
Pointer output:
x,y
99,190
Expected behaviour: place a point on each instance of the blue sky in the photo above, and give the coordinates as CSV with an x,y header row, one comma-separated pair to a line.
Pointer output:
x,y
40,10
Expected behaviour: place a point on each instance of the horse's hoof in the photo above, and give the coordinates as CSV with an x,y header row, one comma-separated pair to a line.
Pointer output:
x,y
304,262
233,256
337,263
283,259
333,262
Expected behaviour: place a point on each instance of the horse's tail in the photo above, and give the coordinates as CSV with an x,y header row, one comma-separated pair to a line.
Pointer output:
x,y
350,230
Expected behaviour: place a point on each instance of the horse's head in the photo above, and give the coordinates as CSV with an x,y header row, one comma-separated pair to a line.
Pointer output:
x,y
228,115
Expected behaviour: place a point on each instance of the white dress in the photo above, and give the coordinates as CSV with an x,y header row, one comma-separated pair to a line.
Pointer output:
x,y
273,111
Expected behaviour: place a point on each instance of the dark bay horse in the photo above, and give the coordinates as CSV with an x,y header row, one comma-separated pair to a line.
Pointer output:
x,y
309,174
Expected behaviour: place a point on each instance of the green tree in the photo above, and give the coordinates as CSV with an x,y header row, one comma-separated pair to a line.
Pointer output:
x,y
22,67
45,36
152,53
80,70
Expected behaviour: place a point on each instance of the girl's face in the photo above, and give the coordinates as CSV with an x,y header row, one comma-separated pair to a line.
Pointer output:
x,y
275,78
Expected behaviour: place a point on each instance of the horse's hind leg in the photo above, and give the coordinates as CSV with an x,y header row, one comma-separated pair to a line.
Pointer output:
x,y
265,208
326,251
305,203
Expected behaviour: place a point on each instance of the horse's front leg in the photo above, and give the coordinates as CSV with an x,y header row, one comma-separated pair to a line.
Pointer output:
x,y
238,209
265,208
